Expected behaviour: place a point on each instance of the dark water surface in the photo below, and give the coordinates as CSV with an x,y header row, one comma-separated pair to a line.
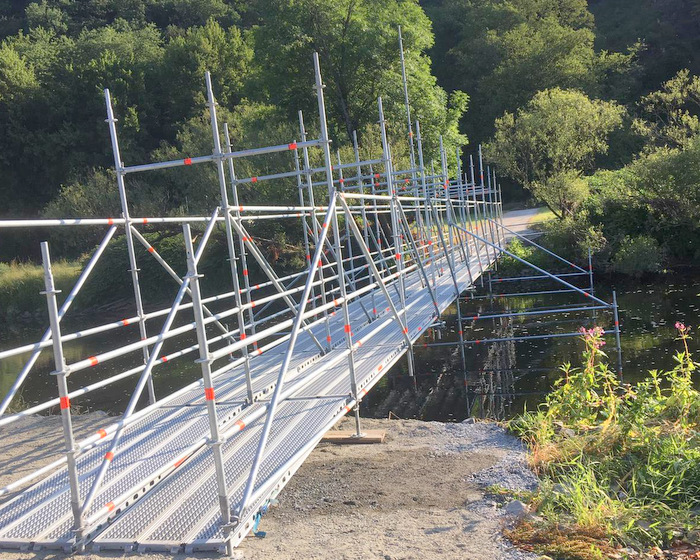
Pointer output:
x,y
524,370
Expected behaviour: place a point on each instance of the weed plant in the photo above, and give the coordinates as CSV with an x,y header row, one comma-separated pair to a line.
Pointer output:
x,y
618,462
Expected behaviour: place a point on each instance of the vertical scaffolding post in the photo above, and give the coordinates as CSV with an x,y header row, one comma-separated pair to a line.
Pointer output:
x,y
616,318
480,222
133,267
493,198
315,232
455,234
590,279
467,203
61,372
408,105
590,270
391,191
211,102
486,207
492,224
209,396
460,192
428,216
244,259
363,211
499,209
351,276
411,153
325,143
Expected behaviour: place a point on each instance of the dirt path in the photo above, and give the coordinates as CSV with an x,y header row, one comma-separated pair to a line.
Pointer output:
x,y
417,496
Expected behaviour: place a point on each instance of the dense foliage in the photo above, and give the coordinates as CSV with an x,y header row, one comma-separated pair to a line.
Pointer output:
x,y
590,105
57,56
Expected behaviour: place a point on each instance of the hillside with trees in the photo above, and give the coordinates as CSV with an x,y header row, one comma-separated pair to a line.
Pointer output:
x,y
591,107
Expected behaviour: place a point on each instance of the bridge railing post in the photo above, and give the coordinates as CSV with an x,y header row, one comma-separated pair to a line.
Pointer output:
x,y
363,209
230,244
480,222
315,230
61,372
616,319
325,143
209,394
398,245
133,266
427,215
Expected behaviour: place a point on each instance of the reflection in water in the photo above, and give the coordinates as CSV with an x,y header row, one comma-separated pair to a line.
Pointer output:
x,y
502,378
491,395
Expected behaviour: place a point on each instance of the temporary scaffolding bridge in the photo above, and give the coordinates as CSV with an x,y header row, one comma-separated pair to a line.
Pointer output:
x,y
387,252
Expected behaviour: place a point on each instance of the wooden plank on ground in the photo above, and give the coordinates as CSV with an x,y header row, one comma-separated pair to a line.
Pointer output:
x,y
340,437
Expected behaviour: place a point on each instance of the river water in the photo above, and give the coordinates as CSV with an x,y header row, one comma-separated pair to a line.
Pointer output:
x,y
501,379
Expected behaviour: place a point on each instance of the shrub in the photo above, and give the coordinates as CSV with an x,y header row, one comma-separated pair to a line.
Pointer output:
x,y
618,461
637,256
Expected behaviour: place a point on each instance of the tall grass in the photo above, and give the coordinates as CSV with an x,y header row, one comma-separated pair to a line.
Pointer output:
x,y
619,461
20,284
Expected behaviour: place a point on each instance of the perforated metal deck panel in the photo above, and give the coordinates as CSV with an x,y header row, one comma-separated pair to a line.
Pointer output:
x,y
162,503
184,510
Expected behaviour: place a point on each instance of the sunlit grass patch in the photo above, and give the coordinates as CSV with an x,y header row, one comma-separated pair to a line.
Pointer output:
x,y
20,284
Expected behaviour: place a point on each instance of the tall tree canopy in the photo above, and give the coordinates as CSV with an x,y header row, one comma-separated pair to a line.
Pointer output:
x,y
357,42
550,142
501,52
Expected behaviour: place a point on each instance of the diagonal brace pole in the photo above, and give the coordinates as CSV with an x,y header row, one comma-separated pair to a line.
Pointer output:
x,y
272,275
373,267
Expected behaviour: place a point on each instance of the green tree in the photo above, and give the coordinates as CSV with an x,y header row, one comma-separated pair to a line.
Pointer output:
x,y
550,142
501,52
670,115
357,42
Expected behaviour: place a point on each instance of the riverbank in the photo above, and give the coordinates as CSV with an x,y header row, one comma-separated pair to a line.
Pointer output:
x,y
421,495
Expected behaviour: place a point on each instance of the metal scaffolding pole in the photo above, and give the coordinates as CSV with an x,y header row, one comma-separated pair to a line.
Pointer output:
x,y
347,327
230,244
363,209
244,257
315,231
61,372
427,214
133,267
209,394
395,224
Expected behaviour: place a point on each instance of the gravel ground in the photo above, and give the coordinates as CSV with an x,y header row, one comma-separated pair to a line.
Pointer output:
x,y
420,495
